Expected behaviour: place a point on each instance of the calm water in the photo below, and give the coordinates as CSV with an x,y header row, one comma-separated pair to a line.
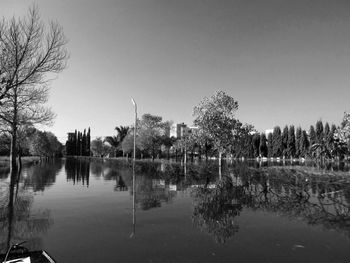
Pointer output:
x,y
83,212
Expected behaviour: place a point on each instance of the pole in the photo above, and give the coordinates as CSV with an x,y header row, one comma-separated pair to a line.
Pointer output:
x,y
135,126
133,175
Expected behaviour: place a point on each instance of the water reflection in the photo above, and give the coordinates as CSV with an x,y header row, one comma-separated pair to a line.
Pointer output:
x,y
318,200
216,209
78,171
18,222
152,193
42,175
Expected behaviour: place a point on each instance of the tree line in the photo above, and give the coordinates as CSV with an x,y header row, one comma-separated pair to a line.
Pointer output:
x,y
32,142
220,134
78,143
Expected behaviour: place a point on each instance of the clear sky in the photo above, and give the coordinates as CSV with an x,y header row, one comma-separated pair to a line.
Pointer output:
x,y
285,61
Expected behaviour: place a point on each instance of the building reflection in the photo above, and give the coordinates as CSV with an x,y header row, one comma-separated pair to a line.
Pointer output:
x,y
18,221
77,171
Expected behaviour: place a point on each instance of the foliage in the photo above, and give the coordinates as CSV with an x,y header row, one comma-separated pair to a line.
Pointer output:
x,y
215,116
304,144
319,132
99,148
44,144
285,141
78,143
242,143
216,209
342,136
277,148
298,147
150,131
256,144
263,145
291,142
312,135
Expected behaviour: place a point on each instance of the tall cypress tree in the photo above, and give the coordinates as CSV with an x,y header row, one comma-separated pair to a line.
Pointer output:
x,y
79,144
298,136
83,143
285,141
88,141
263,146
304,144
319,132
75,142
328,137
277,142
312,134
269,145
291,142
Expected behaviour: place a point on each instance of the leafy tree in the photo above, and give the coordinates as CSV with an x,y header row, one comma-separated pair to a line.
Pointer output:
x,y
122,132
263,145
342,136
215,116
277,147
205,143
40,144
291,142
99,148
44,144
150,133
128,143
114,142
28,53
285,141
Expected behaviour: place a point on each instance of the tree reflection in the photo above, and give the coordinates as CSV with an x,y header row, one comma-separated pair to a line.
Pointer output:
x,y
150,193
216,209
78,171
318,200
42,175
17,220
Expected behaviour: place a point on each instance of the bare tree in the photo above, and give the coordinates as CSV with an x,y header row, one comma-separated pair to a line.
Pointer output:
x,y
29,51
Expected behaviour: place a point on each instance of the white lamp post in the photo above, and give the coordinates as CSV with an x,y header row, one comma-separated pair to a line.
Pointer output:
x,y
135,126
133,174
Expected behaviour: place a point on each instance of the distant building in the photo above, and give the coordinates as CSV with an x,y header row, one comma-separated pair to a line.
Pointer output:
x,y
176,129
181,130
268,131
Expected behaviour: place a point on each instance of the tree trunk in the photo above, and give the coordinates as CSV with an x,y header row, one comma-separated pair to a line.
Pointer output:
x,y
220,167
13,151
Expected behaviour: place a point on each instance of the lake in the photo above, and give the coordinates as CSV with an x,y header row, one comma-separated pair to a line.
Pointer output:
x,y
81,211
